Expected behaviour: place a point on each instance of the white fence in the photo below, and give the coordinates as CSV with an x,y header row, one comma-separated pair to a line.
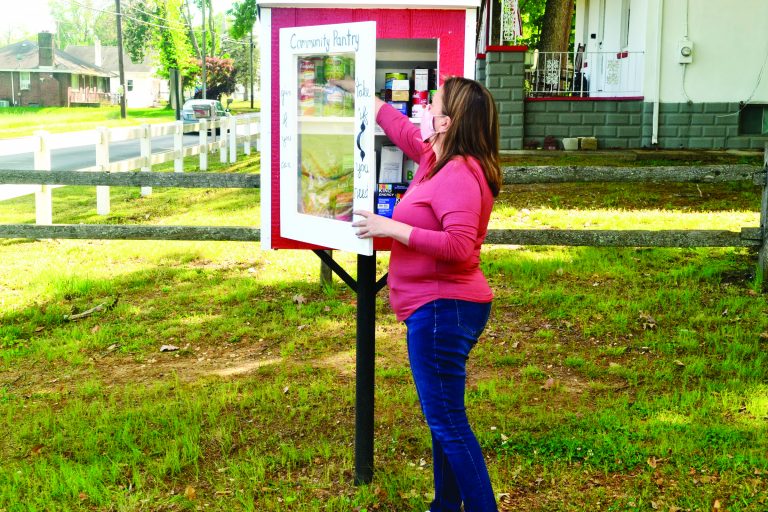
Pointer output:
x,y
234,130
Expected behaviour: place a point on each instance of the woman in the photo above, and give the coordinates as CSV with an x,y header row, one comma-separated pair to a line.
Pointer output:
x,y
436,285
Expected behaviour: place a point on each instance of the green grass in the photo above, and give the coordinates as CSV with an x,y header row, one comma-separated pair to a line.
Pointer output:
x,y
616,379
23,121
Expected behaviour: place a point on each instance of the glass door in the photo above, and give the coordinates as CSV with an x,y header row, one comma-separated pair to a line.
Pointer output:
x,y
327,160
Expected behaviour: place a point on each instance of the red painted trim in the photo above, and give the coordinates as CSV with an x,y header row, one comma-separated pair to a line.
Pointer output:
x,y
445,25
519,48
480,56
586,98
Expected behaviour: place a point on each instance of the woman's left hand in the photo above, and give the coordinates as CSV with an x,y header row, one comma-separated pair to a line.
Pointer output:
x,y
372,225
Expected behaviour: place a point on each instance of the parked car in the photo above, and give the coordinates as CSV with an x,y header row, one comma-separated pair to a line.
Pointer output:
x,y
195,110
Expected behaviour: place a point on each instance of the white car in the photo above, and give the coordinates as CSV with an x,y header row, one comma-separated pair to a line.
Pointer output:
x,y
195,110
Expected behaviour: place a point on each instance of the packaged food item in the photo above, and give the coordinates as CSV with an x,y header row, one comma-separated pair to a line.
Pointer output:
x,y
306,87
335,67
391,165
333,101
387,197
409,169
400,95
401,106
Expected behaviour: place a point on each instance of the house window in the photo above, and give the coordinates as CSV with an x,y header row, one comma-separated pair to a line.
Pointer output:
x,y
24,80
753,120
130,85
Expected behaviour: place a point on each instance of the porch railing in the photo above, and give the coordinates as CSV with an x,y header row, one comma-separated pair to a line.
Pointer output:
x,y
87,96
584,74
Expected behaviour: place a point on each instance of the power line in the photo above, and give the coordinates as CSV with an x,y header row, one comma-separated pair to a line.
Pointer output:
x,y
137,20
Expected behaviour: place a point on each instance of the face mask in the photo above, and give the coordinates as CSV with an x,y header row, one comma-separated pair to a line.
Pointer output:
x,y
427,124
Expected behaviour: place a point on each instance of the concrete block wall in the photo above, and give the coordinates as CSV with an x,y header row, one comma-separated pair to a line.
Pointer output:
x,y
480,69
616,124
504,78
698,126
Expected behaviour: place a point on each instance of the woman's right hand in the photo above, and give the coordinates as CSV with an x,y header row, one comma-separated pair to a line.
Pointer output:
x,y
347,84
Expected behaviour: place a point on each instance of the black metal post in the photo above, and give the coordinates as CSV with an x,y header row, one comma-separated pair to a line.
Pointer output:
x,y
365,367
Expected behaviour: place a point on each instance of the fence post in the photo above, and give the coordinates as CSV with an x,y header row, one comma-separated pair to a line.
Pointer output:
x,y
43,200
102,161
232,139
763,254
178,147
222,141
203,144
247,143
145,143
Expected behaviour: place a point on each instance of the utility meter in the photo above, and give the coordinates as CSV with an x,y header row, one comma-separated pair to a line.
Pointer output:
x,y
685,51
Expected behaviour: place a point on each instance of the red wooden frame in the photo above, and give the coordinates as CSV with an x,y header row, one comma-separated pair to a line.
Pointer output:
x,y
446,25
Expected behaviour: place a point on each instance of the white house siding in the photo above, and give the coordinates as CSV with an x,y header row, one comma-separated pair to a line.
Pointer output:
x,y
607,28
145,93
730,46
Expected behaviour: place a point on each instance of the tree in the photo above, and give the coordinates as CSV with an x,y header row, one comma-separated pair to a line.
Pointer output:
x,y
557,26
220,77
239,52
158,25
244,15
79,23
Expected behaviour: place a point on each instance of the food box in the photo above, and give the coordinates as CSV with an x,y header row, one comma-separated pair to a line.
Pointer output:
x,y
387,197
391,166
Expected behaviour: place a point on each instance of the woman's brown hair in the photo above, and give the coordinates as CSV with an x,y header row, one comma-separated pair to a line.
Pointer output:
x,y
474,128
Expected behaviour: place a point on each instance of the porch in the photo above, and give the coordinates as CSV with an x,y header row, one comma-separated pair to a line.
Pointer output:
x,y
584,74
88,96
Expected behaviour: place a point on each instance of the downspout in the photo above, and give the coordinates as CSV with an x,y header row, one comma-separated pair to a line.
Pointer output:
x,y
656,100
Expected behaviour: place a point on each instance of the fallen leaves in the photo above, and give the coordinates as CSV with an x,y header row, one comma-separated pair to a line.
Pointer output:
x,y
647,321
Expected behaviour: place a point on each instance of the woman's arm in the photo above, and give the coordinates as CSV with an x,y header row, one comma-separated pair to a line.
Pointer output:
x,y
398,128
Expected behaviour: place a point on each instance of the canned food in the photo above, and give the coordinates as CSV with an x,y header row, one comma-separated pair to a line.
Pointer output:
x,y
306,87
334,67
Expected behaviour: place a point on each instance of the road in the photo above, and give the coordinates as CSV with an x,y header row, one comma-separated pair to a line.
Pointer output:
x,y
81,156
73,151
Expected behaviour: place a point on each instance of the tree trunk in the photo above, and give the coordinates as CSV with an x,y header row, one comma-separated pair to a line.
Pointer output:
x,y
188,20
211,27
556,30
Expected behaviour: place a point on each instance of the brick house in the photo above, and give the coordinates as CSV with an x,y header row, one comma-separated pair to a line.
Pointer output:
x,y
142,86
38,74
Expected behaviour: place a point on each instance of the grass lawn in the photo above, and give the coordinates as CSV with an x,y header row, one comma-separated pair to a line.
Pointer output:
x,y
613,379
23,121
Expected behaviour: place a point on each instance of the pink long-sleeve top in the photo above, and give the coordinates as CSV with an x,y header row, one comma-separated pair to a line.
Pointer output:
x,y
449,214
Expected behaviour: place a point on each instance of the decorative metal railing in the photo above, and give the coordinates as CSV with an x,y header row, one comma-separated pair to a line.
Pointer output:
x,y
585,74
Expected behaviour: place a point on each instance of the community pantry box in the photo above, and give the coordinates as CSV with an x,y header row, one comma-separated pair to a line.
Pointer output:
x,y
318,144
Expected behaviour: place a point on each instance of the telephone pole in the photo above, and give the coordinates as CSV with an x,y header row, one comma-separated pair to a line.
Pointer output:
x,y
203,63
120,67
250,65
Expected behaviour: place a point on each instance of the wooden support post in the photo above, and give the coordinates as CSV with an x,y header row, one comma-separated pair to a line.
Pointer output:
x,y
178,147
232,122
145,143
247,142
326,273
222,140
102,161
763,254
43,199
203,144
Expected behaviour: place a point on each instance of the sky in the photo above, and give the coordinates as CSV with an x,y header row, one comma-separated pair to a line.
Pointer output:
x,y
32,16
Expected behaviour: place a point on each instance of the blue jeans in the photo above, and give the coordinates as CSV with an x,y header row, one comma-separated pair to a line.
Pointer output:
x,y
441,334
